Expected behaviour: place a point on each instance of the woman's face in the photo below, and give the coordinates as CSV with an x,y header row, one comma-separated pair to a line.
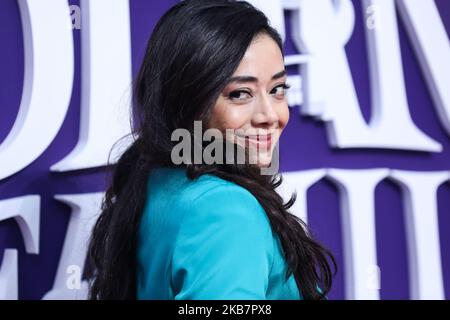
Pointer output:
x,y
253,104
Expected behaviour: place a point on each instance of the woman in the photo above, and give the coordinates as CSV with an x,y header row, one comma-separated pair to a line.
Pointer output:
x,y
173,229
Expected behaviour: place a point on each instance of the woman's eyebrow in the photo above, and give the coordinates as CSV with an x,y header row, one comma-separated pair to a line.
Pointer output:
x,y
241,79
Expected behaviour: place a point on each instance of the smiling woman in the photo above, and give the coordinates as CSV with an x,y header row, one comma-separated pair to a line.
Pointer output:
x,y
253,103
206,230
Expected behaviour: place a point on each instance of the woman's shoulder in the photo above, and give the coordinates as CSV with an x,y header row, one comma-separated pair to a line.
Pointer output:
x,y
224,247
206,200
205,189
226,205
212,194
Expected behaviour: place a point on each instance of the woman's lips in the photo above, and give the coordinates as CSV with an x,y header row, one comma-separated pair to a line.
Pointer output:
x,y
260,141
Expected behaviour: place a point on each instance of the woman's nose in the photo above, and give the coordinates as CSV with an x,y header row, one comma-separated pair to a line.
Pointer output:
x,y
265,112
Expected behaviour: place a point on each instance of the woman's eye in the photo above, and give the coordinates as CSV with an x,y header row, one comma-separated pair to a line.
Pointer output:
x,y
280,90
239,95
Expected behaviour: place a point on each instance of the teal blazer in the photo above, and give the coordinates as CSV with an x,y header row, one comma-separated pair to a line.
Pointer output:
x,y
207,239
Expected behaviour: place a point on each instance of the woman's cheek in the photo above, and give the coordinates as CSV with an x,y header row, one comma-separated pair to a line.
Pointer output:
x,y
234,117
217,117
284,117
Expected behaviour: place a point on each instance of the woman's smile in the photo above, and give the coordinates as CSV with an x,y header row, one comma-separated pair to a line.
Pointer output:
x,y
253,103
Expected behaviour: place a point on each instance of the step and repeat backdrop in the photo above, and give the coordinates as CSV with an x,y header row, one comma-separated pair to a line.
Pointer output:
x,y
367,148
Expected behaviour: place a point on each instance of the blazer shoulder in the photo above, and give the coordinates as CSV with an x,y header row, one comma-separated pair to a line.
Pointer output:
x,y
225,202
211,188
209,185
224,248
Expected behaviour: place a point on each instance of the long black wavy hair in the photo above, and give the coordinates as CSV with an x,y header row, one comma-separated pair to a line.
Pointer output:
x,y
194,49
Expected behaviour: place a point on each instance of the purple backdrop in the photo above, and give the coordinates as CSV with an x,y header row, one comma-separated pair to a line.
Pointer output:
x,y
37,272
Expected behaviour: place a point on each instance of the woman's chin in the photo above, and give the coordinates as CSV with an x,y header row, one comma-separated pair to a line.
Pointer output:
x,y
263,160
